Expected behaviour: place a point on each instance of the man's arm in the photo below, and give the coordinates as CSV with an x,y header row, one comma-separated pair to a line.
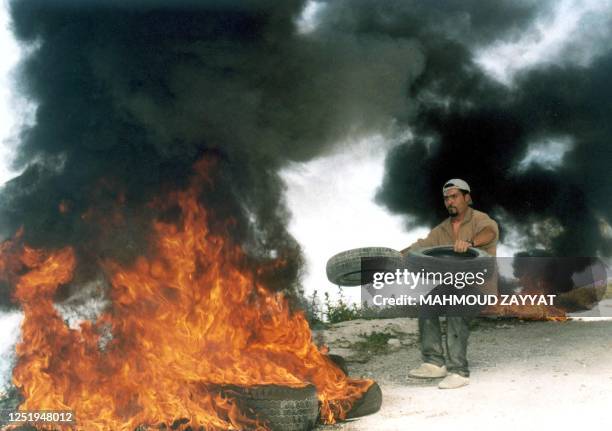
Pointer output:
x,y
483,237
487,232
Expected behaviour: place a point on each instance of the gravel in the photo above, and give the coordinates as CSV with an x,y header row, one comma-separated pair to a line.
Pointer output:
x,y
523,375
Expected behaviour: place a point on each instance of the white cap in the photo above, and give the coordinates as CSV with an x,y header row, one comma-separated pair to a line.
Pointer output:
x,y
456,183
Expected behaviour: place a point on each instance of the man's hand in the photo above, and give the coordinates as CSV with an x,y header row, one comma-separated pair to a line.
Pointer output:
x,y
461,246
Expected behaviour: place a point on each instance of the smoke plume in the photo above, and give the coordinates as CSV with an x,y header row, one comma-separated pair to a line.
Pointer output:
x,y
129,95
469,126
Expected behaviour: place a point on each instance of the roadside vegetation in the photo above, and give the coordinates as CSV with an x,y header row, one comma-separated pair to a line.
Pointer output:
x,y
372,343
329,311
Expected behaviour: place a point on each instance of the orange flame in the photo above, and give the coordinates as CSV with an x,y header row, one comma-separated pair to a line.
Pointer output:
x,y
184,321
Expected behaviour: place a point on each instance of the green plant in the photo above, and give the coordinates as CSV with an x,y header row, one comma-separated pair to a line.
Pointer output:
x,y
374,342
340,311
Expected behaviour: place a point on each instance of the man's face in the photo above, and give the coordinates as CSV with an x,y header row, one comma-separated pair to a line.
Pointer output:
x,y
455,202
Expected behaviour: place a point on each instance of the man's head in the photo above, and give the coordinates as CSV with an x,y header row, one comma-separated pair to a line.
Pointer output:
x,y
457,196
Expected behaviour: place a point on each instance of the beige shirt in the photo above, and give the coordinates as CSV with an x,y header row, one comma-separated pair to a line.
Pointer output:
x,y
473,222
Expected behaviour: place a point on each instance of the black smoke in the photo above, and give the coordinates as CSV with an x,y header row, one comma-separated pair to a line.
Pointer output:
x,y
130,94
468,125
484,142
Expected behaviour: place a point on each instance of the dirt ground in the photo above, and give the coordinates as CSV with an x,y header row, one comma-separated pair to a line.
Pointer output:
x,y
524,375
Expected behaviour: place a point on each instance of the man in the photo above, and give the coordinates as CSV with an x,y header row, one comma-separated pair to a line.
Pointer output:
x,y
464,228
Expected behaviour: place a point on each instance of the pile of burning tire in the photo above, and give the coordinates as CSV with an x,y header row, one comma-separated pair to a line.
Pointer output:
x,y
282,408
296,409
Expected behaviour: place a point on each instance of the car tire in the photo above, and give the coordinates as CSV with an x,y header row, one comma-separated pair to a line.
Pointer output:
x,y
340,362
344,269
369,403
444,259
284,408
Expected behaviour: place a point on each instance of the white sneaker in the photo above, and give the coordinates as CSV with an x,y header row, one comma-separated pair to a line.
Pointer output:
x,y
453,381
428,371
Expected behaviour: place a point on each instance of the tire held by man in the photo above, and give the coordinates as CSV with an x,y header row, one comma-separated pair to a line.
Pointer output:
x,y
344,268
444,259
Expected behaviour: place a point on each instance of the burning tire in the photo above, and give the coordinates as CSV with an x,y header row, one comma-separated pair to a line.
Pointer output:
x,y
369,403
285,408
340,362
445,259
344,268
